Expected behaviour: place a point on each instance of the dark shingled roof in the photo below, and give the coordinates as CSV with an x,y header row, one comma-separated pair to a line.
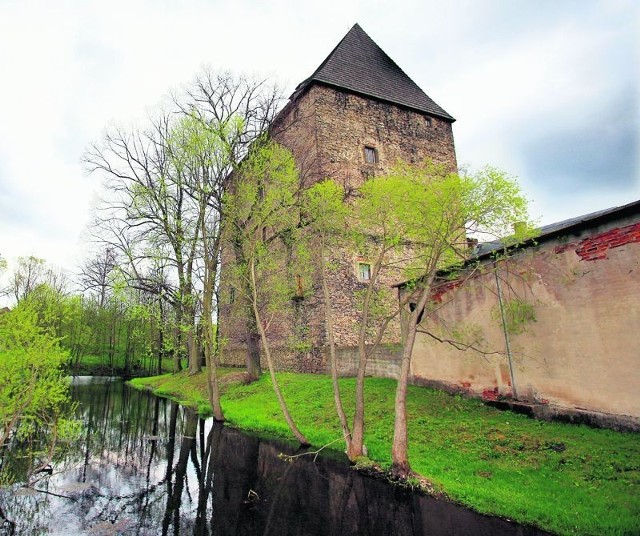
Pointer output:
x,y
357,64
555,230
572,225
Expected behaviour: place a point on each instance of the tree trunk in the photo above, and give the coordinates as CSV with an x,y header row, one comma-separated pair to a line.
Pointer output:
x,y
332,352
212,372
400,467
192,336
252,358
211,255
192,347
177,347
267,354
254,370
160,346
356,448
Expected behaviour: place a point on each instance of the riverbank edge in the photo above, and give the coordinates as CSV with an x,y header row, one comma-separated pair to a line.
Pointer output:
x,y
364,465
193,394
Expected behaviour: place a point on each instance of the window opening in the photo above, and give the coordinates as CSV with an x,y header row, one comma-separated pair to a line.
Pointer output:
x,y
370,155
364,271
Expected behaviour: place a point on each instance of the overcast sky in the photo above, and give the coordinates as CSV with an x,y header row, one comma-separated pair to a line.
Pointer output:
x,y
545,89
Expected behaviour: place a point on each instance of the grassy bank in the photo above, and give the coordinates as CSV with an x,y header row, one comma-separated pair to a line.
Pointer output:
x,y
563,478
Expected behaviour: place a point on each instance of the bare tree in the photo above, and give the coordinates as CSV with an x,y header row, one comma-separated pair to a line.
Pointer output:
x,y
95,274
148,217
166,184
28,274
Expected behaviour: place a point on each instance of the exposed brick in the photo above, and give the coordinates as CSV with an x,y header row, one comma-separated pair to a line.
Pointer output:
x,y
442,288
596,247
490,394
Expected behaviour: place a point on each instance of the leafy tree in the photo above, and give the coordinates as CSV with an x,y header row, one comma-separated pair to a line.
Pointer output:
x,y
149,219
166,184
33,392
371,226
434,211
205,152
233,112
262,227
410,223
28,274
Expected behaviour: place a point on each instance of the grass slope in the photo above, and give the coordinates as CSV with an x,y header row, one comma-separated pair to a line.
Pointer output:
x,y
564,478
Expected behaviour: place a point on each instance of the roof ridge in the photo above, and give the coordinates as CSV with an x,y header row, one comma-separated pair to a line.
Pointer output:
x,y
358,64
324,62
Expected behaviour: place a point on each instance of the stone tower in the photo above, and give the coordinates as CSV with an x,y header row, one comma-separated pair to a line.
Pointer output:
x,y
355,117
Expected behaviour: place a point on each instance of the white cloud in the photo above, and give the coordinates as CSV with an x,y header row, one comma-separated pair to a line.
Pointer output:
x,y
511,73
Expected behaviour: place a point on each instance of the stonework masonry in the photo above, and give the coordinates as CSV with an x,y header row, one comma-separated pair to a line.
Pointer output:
x,y
327,130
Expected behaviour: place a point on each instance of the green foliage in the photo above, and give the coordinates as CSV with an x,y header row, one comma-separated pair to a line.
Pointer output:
x,y
263,225
324,209
433,210
495,205
197,147
33,392
518,315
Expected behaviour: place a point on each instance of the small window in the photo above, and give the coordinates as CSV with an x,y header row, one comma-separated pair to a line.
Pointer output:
x,y
364,271
428,121
370,155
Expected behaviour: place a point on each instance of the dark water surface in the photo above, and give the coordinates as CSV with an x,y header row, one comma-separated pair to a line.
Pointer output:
x,y
147,466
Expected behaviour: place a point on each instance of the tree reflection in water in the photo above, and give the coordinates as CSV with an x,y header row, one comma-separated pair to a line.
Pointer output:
x,y
147,466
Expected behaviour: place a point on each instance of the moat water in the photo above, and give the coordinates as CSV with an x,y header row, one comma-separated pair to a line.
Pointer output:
x,y
146,466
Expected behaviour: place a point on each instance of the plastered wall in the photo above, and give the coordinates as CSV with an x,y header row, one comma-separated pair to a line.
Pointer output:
x,y
582,350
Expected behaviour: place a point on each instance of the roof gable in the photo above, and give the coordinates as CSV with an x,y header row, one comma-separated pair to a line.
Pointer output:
x,y
358,64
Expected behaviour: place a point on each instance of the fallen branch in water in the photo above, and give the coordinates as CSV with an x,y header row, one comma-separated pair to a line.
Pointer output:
x,y
291,457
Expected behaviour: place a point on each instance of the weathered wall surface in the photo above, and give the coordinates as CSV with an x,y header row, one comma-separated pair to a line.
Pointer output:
x,y
327,131
582,352
346,123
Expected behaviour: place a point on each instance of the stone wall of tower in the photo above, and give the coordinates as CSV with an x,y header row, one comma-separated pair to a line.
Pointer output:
x,y
327,130
348,123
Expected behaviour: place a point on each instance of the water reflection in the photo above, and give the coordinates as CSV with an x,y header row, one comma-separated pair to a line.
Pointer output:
x,y
147,466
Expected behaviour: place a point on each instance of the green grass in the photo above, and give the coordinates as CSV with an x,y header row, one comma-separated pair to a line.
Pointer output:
x,y
495,462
